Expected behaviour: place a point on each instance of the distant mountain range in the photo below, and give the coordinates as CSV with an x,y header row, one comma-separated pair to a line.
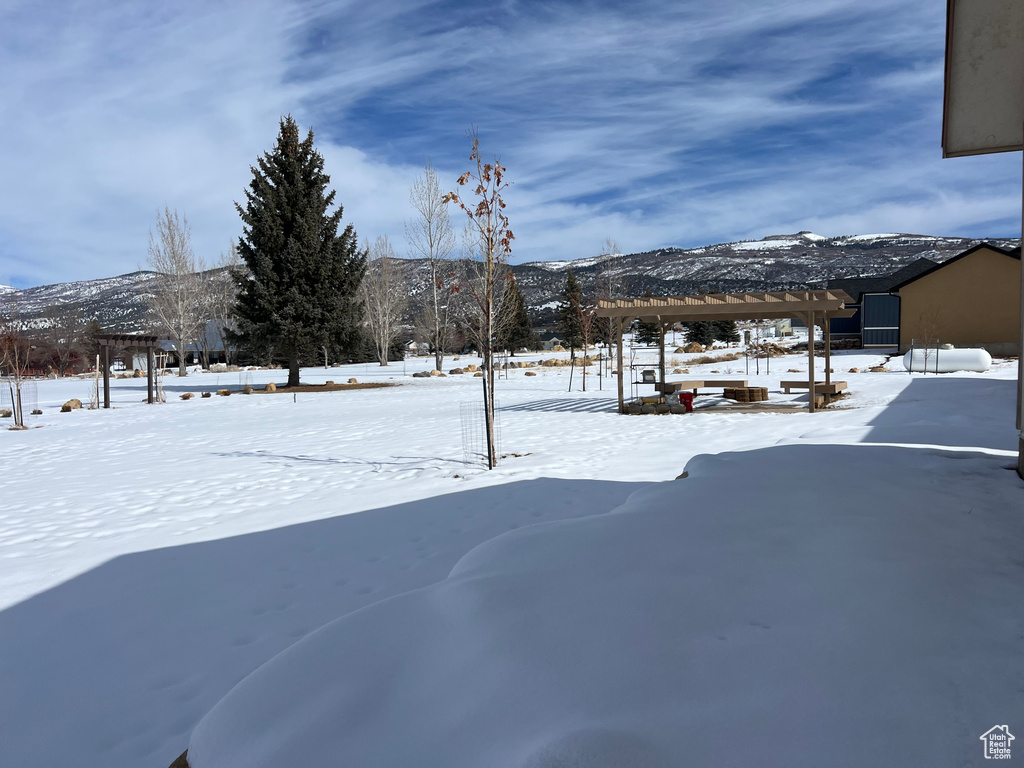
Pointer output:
x,y
778,262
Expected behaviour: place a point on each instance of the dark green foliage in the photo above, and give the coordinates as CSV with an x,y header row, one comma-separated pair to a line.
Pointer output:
x,y
569,324
700,331
92,346
516,332
298,291
725,330
647,334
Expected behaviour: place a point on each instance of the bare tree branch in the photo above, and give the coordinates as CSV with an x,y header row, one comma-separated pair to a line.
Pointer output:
x,y
492,239
430,235
15,350
384,294
175,304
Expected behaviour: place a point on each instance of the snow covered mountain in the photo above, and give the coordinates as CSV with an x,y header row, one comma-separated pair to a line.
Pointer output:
x,y
776,262
119,303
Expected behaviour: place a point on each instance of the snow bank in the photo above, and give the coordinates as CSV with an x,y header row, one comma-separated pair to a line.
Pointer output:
x,y
794,619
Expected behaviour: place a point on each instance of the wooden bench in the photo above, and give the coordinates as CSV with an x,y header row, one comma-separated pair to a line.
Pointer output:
x,y
820,387
694,384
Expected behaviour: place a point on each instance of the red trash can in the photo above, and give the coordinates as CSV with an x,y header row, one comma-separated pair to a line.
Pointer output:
x,y
687,398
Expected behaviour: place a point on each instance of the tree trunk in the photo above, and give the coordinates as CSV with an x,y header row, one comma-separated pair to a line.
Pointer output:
x,y
492,453
293,371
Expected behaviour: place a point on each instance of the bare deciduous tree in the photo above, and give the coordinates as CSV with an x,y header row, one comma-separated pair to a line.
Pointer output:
x,y
384,295
65,334
218,294
15,350
430,235
608,285
586,315
176,303
493,246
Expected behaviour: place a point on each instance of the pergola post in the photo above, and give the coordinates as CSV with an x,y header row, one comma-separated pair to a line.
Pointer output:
x,y
106,375
661,355
810,361
828,349
149,375
619,355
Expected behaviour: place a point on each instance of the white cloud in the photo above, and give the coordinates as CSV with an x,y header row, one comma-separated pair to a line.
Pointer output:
x,y
654,123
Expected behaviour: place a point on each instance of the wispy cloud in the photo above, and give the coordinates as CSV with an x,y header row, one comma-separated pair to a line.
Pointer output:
x,y
656,123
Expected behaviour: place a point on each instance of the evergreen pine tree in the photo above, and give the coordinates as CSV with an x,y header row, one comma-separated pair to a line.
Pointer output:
x,y
725,330
647,334
568,311
516,332
700,331
297,294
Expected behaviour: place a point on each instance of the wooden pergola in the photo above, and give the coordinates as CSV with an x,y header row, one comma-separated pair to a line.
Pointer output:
x,y
813,307
127,341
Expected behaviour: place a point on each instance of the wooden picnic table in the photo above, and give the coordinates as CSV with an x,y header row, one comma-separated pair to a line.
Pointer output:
x,y
693,385
820,387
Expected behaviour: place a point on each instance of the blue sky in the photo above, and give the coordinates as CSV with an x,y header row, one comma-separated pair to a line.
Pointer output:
x,y
654,123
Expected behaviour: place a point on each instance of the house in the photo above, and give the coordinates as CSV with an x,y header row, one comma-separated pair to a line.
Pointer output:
x,y
877,320
210,346
971,300
417,348
550,340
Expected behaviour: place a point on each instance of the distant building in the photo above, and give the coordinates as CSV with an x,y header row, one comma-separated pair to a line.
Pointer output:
x,y
971,300
551,340
213,346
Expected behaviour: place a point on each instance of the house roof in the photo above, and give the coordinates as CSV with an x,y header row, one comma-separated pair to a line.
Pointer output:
x,y
858,286
1013,254
214,343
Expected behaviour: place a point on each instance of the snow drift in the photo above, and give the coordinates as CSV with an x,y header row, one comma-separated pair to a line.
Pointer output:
x,y
793,619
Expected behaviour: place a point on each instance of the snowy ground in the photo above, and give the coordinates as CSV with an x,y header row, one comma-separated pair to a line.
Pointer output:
x,y
152,556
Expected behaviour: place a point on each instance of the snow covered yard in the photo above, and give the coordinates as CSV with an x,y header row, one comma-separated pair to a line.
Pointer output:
x,y
152,557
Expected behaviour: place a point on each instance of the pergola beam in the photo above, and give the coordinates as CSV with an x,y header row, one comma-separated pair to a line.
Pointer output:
x,y
729,306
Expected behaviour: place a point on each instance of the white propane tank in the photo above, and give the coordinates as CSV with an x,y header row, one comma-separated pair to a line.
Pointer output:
x,y
947,359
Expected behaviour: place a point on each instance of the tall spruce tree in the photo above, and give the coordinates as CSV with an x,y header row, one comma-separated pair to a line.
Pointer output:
x,y
700,331
568,312
298,292
515,332
648,334
726,330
